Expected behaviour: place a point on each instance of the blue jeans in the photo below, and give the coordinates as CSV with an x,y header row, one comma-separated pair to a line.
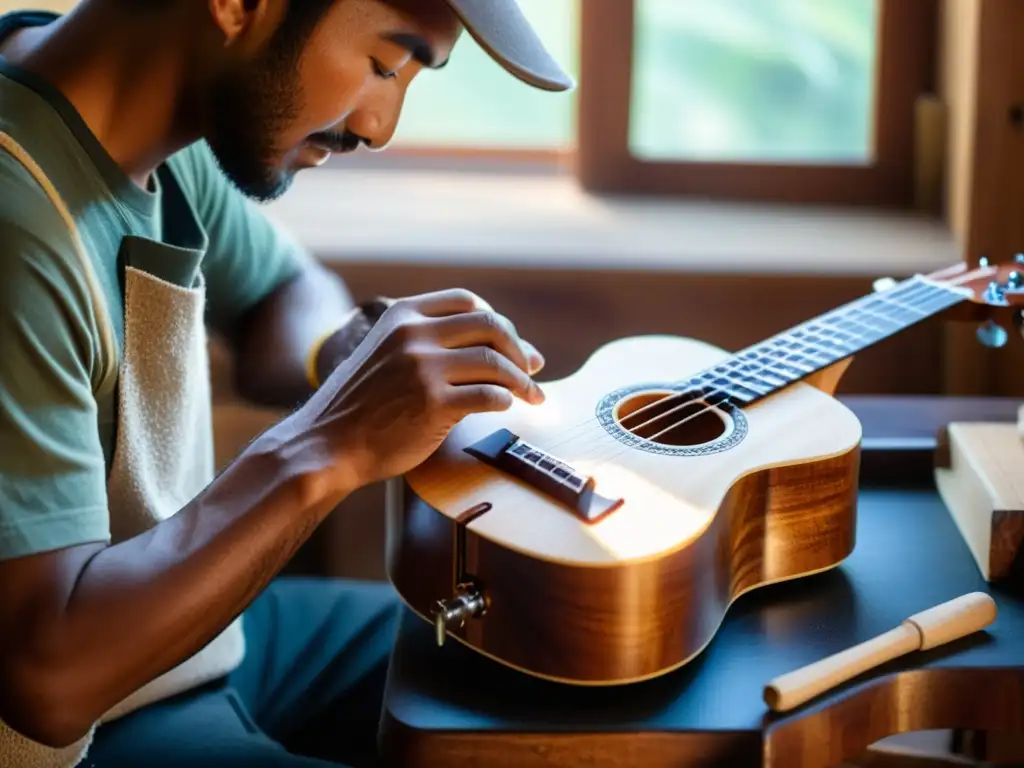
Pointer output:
x,y
309,692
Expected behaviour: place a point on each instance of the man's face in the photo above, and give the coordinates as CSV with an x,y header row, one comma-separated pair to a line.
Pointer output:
x,y
285,101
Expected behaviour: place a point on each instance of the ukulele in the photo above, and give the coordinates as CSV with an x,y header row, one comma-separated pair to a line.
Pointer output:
x,y
599,538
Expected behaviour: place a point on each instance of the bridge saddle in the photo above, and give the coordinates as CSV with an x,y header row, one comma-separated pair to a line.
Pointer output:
x,y
505,451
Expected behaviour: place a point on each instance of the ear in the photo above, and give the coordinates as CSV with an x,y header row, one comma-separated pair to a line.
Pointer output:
x,y
246,23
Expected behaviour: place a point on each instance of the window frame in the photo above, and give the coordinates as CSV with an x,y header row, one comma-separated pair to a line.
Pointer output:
x,y
905,70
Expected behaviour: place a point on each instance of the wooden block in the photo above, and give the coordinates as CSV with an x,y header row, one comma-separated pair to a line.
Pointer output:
x,y
979,473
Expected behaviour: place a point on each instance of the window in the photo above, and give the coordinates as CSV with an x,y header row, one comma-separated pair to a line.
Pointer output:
x,y
753,80
764,128
808,101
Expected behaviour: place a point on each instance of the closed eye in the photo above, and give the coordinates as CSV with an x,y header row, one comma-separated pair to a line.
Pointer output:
x,y
380,71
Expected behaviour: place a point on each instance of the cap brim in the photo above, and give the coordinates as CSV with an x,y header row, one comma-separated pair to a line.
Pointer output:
x,y
501,29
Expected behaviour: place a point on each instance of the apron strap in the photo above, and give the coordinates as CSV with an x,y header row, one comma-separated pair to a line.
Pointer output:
x,y
109,348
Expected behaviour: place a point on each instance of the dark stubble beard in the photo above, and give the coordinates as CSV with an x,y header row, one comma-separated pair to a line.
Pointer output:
x,y
248,110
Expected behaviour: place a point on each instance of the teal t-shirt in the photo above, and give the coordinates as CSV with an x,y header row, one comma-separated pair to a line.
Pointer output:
x,y
57,406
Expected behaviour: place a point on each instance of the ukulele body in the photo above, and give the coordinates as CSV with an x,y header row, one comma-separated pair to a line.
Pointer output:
x,y
728,501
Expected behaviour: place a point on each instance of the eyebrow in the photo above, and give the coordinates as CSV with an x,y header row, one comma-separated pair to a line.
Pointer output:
x,y
418,46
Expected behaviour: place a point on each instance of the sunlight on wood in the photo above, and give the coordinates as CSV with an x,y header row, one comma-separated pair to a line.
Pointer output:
x,y
61,6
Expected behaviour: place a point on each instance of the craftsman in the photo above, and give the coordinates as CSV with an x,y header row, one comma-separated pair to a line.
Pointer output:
x,y
142,618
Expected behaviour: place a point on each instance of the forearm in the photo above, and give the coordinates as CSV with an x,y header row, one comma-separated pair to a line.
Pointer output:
x,y
273,343
141,607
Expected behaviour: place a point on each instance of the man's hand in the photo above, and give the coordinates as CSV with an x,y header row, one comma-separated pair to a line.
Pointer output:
x,y
428,362
83,627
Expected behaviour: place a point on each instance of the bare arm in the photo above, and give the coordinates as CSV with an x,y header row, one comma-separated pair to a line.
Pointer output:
x,y
83,628
274,339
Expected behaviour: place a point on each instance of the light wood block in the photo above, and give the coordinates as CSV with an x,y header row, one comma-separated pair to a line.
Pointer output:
x,y
979,474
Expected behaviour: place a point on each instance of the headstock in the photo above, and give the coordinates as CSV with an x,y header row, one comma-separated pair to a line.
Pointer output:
x,y
990,285
994,297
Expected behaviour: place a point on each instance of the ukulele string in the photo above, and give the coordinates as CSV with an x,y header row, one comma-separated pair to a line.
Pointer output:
x,y
604,460
585,428
855,338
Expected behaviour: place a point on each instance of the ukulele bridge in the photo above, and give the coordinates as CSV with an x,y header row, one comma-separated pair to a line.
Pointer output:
x,y
504,451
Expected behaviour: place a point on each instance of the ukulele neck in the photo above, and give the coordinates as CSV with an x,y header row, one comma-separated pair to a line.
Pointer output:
x,y
792,355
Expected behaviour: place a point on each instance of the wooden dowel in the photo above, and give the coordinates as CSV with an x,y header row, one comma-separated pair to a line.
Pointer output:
x,y
938,625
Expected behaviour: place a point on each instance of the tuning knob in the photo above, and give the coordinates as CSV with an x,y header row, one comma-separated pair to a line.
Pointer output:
x,y
995,293
992,334
468,603
883,284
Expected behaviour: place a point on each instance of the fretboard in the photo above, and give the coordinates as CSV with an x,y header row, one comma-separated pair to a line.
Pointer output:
x,y
767,367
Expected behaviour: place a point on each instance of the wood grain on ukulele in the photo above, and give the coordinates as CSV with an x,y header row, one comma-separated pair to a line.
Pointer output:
x,y
601,537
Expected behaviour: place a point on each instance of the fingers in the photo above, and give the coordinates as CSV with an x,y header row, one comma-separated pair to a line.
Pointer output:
x,y
482,365
479,398
454,301
535,358
457,302
487,329
482,329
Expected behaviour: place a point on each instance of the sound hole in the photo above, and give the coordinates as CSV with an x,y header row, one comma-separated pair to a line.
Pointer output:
x,y
670,418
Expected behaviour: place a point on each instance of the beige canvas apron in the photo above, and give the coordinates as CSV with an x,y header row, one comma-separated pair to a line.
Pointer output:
x,y
163,455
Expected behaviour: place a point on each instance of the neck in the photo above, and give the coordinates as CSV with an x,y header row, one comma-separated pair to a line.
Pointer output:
x,y
792,355
128,85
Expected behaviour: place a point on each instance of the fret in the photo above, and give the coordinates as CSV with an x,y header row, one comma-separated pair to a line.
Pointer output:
x,y
903,310
877,321
923,298
854,332
816,344
892,310
819,349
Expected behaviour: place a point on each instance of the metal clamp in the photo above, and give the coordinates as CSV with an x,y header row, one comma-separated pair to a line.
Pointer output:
x,y
468,603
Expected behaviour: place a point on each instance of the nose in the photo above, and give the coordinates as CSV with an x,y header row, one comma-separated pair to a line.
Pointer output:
x,y
374,123
367,131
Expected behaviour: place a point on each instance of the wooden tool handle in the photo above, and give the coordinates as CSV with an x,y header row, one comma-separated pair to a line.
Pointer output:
x,y
941,624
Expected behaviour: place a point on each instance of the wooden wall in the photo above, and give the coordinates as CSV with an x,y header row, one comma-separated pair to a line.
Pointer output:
x,y
981,82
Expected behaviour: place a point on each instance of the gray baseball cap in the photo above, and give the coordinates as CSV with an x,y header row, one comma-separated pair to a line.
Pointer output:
x,y
503,31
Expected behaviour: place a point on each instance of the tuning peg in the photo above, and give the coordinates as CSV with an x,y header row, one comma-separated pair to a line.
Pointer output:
x,y
1019,258
995,293
992,335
